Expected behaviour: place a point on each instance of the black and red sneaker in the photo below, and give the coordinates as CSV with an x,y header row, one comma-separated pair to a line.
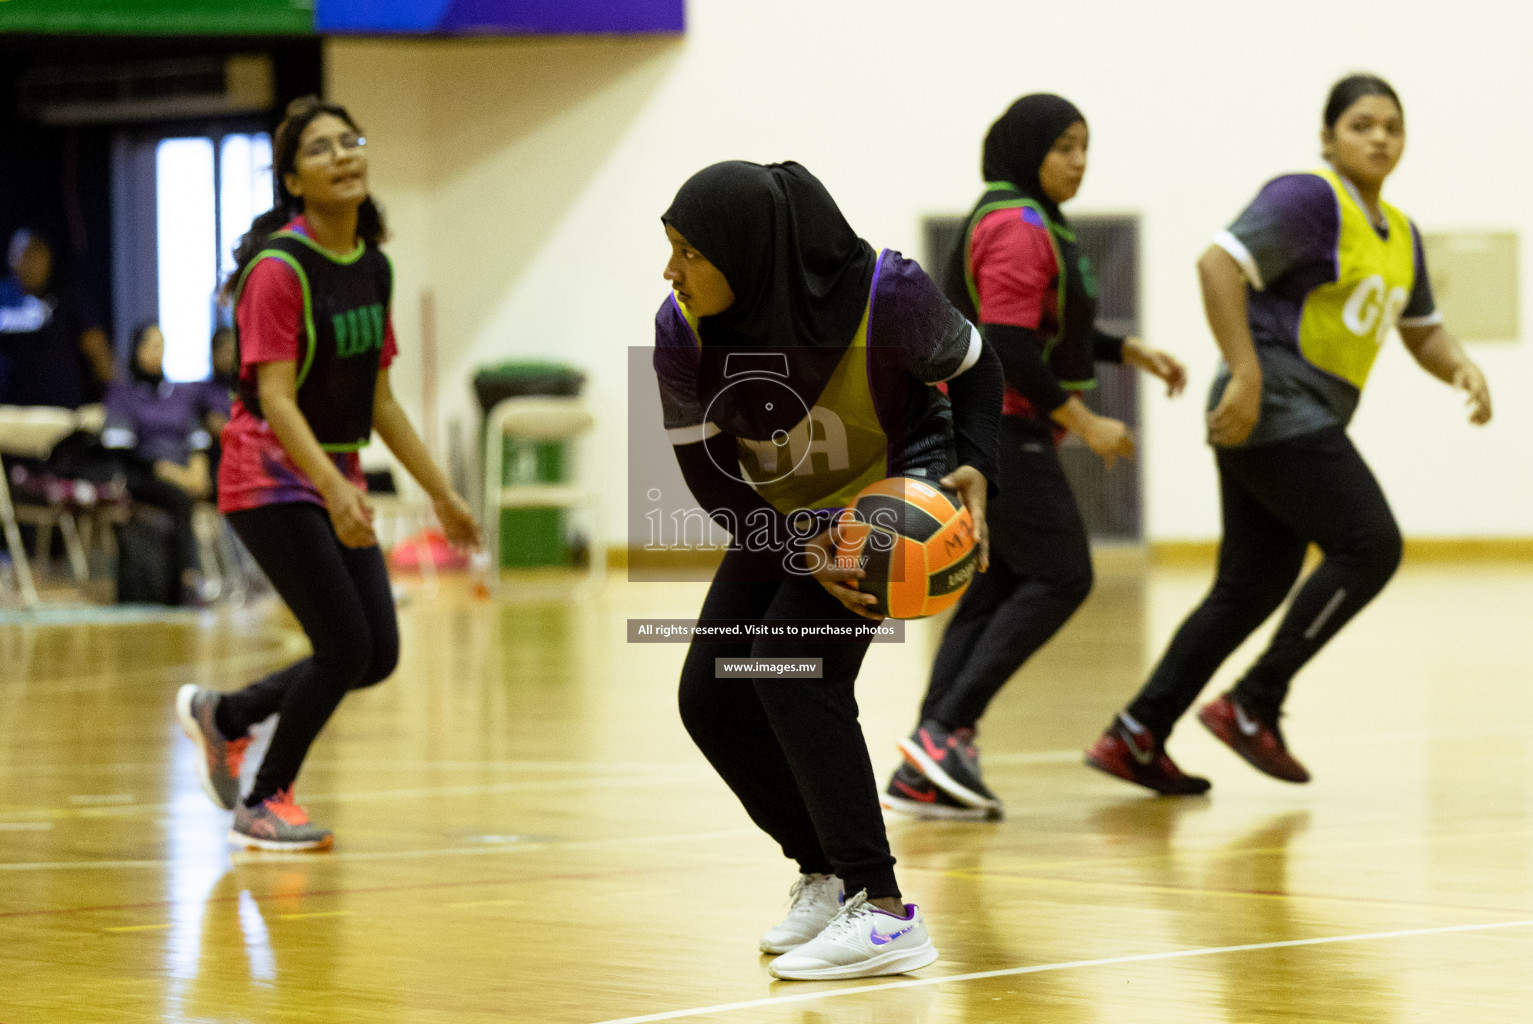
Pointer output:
x,y
949,758
1253,737
1136,755
911,793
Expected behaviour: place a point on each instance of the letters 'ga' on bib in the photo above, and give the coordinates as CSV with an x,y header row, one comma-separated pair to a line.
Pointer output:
x,y
1345,322
831,454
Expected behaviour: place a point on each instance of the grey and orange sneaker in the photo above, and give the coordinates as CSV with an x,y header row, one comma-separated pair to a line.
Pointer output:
x,y
277,823
218,760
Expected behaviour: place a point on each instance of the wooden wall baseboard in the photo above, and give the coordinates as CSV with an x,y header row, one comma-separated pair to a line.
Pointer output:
x,y
1469,549
1417,550
699,563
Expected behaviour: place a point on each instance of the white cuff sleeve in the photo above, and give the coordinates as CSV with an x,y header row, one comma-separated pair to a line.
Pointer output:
x,y
1232,245
692,435
976,346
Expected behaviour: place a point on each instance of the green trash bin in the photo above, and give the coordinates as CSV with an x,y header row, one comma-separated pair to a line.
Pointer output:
x,y
530,537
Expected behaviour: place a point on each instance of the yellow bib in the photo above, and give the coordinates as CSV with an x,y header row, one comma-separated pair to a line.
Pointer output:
x,y
1345,322
829,455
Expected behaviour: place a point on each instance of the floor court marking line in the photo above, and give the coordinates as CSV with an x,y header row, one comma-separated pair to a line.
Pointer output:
x,y
1010,972
398,765
1219,853
1189,890
1036,757
277,651
128,810
478,850
365,890
1069,756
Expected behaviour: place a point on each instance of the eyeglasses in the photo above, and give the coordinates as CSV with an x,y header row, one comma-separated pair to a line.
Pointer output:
x,y
349,142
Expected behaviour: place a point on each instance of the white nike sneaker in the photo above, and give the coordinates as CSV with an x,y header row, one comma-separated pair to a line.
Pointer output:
x,y
860,942
812,902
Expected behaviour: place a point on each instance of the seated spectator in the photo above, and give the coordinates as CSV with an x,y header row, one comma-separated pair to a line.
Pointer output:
x,y
53,350
158,427
216,395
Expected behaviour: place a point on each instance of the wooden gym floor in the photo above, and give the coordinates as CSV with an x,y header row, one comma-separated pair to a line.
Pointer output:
x,y
525,834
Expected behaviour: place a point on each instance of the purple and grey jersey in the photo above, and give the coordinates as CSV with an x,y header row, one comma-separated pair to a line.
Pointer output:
x,y
913,332
1287,243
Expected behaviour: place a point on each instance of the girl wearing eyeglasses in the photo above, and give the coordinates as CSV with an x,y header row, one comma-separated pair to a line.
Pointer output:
x,y
314,338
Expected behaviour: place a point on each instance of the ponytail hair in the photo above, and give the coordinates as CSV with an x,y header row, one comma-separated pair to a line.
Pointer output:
x,y
285,206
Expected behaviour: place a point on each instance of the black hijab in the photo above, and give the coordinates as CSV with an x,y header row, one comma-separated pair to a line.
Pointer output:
x,y
799,272
1015,148
800,276
136,371
1019,140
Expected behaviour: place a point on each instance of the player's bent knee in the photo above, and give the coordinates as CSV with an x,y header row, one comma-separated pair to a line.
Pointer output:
x,y
383,664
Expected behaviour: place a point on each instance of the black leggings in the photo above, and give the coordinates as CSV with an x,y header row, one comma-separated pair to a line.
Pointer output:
x,y
790,749
1040,573
1278,498
342,599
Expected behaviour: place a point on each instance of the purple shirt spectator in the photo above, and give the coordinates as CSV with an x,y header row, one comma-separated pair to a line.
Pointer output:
x,y
157,421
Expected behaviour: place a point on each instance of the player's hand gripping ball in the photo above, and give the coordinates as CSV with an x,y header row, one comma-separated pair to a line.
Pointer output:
x,y
915,541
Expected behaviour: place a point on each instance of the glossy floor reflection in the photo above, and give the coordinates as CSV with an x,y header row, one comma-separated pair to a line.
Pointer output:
x,y
524,832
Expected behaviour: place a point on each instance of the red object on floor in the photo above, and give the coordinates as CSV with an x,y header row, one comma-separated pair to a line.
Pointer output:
x,y
409,553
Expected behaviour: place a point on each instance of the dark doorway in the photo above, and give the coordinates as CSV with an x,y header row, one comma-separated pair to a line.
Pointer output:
x,y
1109,499
72,106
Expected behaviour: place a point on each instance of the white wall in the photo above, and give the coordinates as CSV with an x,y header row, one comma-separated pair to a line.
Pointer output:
x,y
525,179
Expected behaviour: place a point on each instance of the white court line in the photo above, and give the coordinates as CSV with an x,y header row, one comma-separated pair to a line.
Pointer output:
x,y
1175,954
1038,757
399,764
477,850
1070,756
115,807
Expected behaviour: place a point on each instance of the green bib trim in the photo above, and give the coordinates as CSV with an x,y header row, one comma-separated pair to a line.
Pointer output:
x,y
345,260
988,207
308,303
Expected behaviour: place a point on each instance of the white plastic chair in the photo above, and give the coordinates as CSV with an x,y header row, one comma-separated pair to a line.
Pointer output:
x,y
540,419
32,431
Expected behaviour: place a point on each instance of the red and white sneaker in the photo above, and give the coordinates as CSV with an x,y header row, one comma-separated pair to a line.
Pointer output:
x,y
1253,737
277,823
1135,755
861,941
218,760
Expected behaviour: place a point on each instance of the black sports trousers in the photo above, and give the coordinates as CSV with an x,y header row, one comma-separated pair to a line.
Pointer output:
x,y
1040,573
790,749
1278,499
342,599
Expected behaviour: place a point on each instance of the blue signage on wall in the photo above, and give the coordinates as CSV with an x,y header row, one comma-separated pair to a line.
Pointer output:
x,y
497,17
